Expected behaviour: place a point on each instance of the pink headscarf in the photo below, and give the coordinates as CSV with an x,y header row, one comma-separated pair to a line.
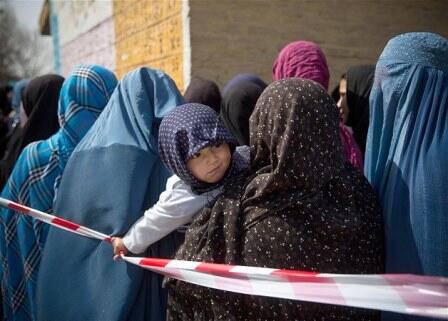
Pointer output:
x,y
351,149
302,59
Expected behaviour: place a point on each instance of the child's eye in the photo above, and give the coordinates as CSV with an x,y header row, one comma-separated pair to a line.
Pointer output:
x,y
218,144
196,155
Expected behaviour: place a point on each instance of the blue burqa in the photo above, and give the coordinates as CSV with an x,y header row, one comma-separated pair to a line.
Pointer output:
x,y
407,153
111,178
34,181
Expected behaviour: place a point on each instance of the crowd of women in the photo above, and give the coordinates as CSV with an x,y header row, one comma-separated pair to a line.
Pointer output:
x,y
349,182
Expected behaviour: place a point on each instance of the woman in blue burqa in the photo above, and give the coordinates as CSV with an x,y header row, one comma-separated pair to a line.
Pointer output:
x,y
111,178
34,181
407,153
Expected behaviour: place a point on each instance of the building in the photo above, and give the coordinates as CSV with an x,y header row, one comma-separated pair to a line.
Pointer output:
x,y
218,39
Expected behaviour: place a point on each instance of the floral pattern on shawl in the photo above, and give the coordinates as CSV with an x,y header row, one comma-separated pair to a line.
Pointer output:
x,y
301,206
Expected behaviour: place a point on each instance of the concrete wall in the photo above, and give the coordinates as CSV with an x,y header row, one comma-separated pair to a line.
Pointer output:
x,y
122,35
95,46
149,33
217,39
79,17
85,32
228,37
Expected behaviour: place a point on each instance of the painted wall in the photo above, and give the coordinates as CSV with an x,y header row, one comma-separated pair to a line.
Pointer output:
x,y
85,33
95,46
54,27
149,33
218,39
79,17
228,37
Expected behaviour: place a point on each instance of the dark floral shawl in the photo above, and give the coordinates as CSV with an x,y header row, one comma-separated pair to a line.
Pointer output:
x,y
301,207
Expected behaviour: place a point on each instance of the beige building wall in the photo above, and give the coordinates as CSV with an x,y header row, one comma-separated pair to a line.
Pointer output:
x,y
228,37
86,33
78,17
93,47
149,33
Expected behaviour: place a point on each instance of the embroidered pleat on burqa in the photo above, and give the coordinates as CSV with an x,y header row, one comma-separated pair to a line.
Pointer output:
x,y
359,84
40,103
407,153
305,59
301,206
238,103
34,183
113,176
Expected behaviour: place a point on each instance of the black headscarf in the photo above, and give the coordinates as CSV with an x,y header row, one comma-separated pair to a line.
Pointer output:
x,y
5,109
301,206
40,102
359,84
237,106
205,92
335,92
243,78
5,103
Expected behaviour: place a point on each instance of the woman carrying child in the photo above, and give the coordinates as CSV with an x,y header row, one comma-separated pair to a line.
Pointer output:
x,y
194,144
300,206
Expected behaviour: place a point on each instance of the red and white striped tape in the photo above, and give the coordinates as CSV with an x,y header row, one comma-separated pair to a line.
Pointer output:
x,y
55,221
402,293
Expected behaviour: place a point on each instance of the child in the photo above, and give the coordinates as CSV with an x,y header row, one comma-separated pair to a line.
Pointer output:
x,y
196,146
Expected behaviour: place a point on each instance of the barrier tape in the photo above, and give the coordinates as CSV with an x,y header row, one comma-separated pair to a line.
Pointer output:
x,y
55,221
402,293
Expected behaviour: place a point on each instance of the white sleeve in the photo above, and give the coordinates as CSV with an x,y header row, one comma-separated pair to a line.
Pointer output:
x,y
176,206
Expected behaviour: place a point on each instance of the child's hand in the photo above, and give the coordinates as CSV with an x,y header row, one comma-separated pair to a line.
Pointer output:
x,y
119,247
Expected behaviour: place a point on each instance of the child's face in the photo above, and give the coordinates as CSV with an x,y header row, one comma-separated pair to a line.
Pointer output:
x,y
210,163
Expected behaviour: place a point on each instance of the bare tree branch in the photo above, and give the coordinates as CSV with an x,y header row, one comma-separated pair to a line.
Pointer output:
x,y
22,52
